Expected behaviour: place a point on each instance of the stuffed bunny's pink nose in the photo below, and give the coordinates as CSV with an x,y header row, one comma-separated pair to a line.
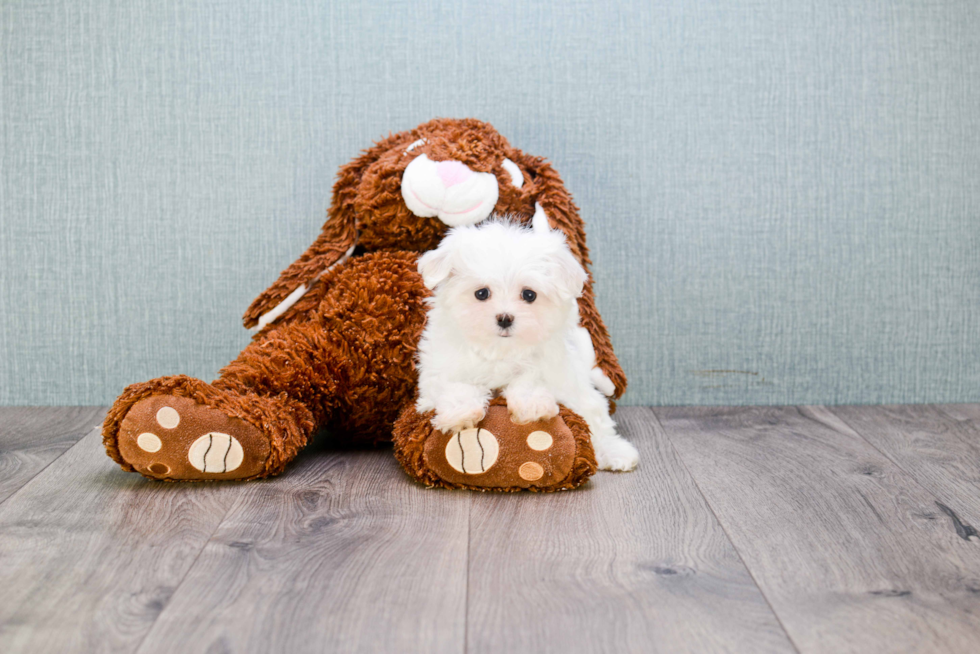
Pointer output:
x,y
452,172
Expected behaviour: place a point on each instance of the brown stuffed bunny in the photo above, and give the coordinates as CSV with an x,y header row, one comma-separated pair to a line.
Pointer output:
x,y
337,332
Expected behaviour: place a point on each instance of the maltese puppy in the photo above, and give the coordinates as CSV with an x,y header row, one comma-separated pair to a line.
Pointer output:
x,y
504,317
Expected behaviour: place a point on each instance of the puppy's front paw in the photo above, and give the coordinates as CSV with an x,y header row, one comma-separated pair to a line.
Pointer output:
x,y
458,417
615,454
537,404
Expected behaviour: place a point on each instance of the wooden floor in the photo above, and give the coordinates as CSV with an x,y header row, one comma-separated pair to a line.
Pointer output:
x,y
775,529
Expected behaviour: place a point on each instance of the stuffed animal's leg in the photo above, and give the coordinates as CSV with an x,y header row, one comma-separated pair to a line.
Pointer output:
x,y
249,423
299,360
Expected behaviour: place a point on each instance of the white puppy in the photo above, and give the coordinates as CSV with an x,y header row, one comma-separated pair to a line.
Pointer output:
x,y
504,317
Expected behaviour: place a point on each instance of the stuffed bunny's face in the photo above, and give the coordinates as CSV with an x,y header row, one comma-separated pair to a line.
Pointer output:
x,y
445,173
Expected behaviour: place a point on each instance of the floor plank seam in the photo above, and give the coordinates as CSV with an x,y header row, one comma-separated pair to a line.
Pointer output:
x,y
956,524
466,597
187,573
49,463
724,530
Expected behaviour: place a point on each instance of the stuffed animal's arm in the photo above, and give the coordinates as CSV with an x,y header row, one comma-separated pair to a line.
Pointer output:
x,y
607,376
332,247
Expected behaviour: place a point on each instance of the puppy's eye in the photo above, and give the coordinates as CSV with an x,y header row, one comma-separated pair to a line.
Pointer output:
x,y
528,295
482,294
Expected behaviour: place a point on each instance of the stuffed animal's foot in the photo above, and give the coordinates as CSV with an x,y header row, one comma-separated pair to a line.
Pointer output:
x,y
615,453
183,429
171,437
497,453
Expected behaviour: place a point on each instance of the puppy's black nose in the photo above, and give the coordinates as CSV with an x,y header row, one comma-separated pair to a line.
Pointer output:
x,y
505,320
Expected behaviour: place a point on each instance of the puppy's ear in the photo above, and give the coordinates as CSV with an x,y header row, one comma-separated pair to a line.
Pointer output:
x,y
539,222
435,266
571,276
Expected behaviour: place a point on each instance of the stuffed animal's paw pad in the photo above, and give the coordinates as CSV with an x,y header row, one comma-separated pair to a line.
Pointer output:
x,y
530,471
174,437
216,452
472,451
539,441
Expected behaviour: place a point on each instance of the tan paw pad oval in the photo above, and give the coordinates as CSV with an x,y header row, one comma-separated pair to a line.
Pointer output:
x,y
539,440
216,452
531,471
472,451
149,442
167,417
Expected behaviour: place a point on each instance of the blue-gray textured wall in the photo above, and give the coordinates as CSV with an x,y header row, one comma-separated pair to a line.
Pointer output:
x,y
782,197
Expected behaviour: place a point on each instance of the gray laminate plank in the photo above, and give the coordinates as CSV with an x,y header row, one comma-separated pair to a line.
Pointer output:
x,y
629,562
89,554
33,437
342,554
846,546
938,446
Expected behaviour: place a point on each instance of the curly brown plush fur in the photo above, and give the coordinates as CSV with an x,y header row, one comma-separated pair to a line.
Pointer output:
x,y
343,355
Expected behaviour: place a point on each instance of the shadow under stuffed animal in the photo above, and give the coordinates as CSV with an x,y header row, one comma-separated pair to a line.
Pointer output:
x,y
337,335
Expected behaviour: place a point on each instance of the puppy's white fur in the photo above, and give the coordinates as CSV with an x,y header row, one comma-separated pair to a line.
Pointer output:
x,y
539,360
